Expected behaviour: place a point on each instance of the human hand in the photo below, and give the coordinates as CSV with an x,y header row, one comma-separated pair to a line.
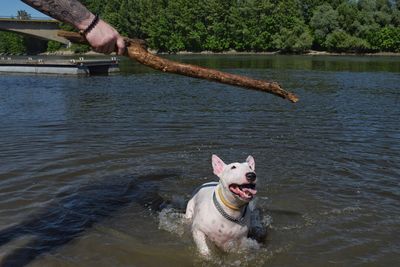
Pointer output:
x,y
105,39
100,35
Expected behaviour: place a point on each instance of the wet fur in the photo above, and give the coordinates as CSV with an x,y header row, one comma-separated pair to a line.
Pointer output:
x,y
206,221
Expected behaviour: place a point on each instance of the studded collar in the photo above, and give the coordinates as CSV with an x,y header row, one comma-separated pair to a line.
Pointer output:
x,y
240,221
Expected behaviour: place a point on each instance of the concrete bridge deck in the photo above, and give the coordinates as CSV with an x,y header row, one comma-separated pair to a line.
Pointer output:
x,y
37,27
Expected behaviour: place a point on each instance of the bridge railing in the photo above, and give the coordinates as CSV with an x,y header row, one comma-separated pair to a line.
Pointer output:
x,y
37,19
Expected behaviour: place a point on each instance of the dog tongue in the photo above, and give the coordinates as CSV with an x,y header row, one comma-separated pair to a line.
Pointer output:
x,y
249,191
244,192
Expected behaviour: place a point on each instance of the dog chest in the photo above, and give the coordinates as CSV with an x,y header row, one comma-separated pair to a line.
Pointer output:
x,y
217,228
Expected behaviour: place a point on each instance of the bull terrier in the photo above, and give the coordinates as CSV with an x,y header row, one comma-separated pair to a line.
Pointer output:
x,y
219,211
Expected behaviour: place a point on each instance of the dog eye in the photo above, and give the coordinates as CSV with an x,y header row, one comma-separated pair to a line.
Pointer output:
x,y
233,167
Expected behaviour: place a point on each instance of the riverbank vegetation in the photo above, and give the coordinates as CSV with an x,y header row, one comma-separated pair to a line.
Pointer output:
x,y
257,25
293,26
288,26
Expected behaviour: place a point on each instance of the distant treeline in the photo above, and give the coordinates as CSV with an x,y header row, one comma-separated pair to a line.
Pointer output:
x,y
257,25
290,26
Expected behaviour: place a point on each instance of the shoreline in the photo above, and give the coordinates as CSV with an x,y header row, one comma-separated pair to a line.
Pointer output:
x,y
309,53
230,52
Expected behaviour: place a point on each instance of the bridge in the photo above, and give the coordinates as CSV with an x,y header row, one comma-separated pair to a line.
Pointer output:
x,y
36,27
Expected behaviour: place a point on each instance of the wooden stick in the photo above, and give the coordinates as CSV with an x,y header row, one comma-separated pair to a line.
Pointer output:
x,y
137,50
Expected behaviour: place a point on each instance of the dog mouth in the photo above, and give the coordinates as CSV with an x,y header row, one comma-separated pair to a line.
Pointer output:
x,y
244,191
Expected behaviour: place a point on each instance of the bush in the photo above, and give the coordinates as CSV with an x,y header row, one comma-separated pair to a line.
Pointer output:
x,y
80,49
53,46
341,41
386,39
324,21
296,40
12,43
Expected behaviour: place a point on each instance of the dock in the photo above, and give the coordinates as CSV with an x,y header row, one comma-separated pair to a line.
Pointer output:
x,y
79,66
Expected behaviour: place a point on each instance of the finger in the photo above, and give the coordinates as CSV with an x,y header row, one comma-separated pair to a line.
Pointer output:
x,y
106,48
100,49
110,47
120,46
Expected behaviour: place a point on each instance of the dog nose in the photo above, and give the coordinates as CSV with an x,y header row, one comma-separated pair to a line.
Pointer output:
x,y
251,176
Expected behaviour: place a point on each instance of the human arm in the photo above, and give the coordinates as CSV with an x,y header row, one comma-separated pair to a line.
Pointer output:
x,y
103,37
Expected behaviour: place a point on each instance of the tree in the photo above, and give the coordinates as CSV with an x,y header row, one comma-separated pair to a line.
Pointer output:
x,y
348,17
295,40
12,43
386,39
23,15
53,46
323,22
308,6
340,41
254,25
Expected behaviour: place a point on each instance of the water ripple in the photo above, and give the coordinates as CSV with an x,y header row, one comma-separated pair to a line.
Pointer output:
x,y
328,166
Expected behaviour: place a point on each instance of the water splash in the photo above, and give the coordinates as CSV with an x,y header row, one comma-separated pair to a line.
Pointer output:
x,y
248,253
345,210
173,221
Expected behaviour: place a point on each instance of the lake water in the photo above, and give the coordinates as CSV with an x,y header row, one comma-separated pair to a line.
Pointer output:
x,y
84,160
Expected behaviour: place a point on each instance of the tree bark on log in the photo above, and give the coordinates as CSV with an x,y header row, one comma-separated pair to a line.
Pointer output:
x,y
137,50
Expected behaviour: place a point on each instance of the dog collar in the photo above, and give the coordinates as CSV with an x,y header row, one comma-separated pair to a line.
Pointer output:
x,y
224,201
239,221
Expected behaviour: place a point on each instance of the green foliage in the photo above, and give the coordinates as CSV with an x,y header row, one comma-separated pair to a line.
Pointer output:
x,y
386,39
340,41
323,22
12,43
295,40
348,17
53,46
260,25
79,49
289,26
395,21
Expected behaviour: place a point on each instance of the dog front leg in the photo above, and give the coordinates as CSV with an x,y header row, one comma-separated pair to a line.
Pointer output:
x,y
189,210
200,240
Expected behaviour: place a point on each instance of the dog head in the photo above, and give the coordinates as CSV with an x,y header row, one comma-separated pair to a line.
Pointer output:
x,y
238,178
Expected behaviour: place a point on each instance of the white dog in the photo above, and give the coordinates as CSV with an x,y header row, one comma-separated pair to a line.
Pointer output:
x,y
219,211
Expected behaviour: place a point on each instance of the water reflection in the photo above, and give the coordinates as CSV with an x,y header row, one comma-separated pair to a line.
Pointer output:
x,y
74,212
279,62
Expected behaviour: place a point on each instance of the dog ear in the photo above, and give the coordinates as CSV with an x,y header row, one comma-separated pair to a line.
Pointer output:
x,y
251,162
218,165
